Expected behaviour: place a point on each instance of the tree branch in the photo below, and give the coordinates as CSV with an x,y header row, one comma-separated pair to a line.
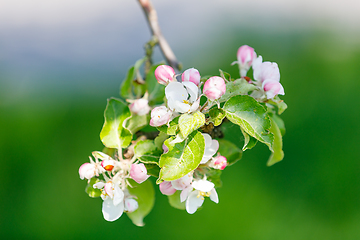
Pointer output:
x,y
152,20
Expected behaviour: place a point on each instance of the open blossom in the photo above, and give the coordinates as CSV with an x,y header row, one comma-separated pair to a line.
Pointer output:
x,y
195,199
138,172
211,147
182,97
164,74
214,88
90,170
191,75
160,116
140,107
265,71
245,56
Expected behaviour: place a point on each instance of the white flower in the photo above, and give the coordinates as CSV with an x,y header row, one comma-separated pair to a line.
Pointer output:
x,y
265,71
184,185
182,97
90,170
195,199
140,107
211,147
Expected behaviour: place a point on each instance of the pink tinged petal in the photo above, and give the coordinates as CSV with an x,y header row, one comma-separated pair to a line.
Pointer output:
x,y
166,188
184,193
214,196
256,63
87,170
131,205
160,116
181,183
164,74
165,148
214,88
191,75
193,202
108,165
138,172
245,55
140,107
211,147
108,188
272,88
267,71
220,162
118,196
203,185
110,211
193,90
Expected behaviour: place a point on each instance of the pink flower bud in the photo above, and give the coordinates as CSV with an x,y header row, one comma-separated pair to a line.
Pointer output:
x,y
166,188
191,75
272,88
214,88
160,116
245,56
130,205
87,170
164,74
140,107
220,162
138,172
108,165
165,148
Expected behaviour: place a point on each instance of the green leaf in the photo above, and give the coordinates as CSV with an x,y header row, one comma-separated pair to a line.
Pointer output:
x,y
230,151
278,153
279,122
174,201
249,141
251,116
159,140
126,86
237,87
113,133
182,157
213,175
225,75
280,104
190,122
145,197
216,116
152,169
156,90
93,192
147,152
172,128
136,122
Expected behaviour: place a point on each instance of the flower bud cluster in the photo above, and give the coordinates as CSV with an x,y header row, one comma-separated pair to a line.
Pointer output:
x,y
111,178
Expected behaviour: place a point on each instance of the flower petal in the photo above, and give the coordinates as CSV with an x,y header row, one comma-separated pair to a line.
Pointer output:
x,y
203,185
193,202
184,193
110,211
214,196
118,195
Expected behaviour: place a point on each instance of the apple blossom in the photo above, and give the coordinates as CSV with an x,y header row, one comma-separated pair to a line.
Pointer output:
x,y
138,172
272,88
90,170
191,75
140,107
130,205
182,97
164,74
265,71
195,199
166,188
245,56
214,88
160,116
211,147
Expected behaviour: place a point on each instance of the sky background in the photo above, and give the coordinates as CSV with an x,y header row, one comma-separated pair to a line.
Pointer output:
x,y
61,60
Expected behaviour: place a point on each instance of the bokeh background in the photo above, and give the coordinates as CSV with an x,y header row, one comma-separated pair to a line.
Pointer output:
x,y
61,60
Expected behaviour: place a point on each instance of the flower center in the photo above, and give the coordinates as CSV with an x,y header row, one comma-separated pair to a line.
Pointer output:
x,y
203,194
186,101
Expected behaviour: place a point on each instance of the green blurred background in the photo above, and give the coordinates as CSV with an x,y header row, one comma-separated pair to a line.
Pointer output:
x,y
52,98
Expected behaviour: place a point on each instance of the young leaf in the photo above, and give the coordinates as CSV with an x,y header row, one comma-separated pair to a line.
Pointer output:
x,y
230,151
279,122
145,197
174,201
237,87
92,192
156,90
126,86
213,175
136,122
216,116
225,75
249,141
280,104
152,169
190,122
278,153
251,116
182,157
172,128
147,152
160,139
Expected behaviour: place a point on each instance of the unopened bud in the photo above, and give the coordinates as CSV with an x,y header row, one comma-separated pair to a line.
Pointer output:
x,y
191,75
140,107
166,188
214,88
160,116
164,74
272,88
245,56
87,170
219,162
138,172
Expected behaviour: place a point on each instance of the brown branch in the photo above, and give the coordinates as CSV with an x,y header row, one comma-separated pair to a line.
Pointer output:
x,y
152,20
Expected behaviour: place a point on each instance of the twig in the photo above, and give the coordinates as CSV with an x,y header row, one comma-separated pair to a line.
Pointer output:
x,y
152,19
